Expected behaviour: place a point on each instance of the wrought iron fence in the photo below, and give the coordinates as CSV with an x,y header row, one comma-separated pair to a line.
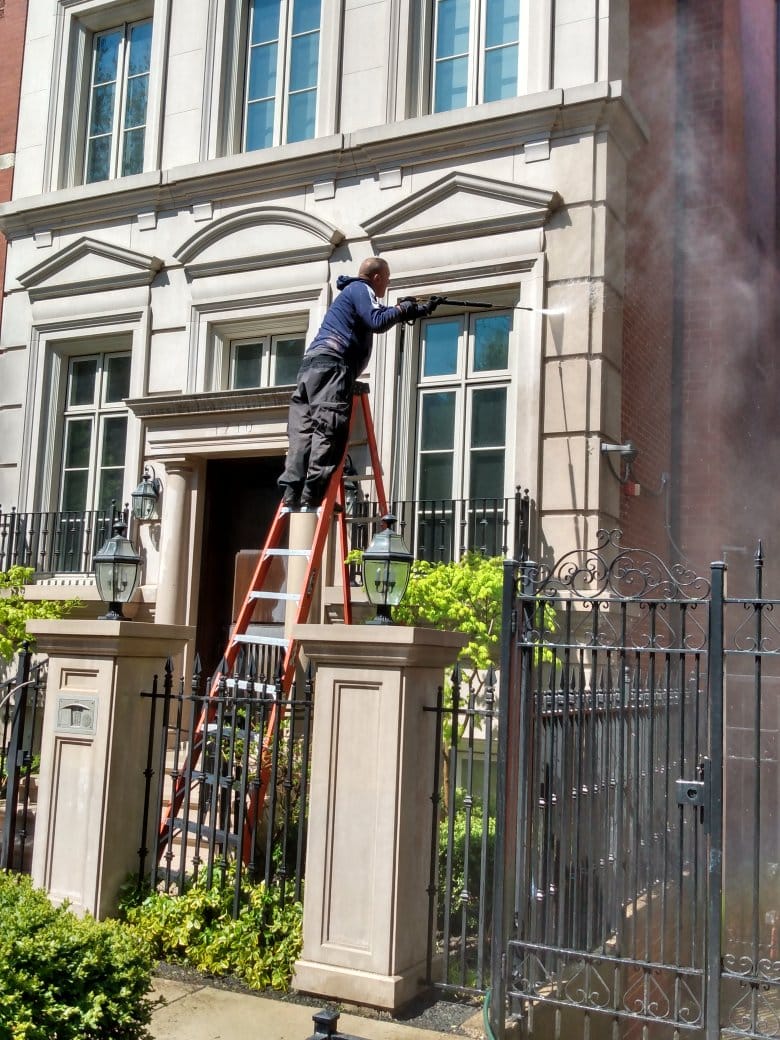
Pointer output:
x,y
463,834
53,542
248,739
21,717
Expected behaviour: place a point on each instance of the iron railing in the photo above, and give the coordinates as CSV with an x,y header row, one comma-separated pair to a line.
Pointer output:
x,y
21,718
53,542
442,530
463,834
241,736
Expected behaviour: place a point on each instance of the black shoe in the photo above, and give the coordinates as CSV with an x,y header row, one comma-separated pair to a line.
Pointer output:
x,y
291,500
308,505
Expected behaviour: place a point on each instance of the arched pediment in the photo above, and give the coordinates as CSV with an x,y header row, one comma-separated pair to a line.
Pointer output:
x,y
88,266
460,205
255,238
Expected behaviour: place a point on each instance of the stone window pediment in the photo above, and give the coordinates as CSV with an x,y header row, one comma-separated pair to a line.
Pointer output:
x,y
257,238
461,206
89,266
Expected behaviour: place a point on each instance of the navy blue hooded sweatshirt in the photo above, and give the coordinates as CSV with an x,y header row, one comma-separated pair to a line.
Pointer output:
x,y
347,331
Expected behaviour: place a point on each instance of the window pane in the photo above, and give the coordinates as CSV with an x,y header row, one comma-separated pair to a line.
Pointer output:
x,y
74,491
140,49
114,437
106,55
487,474
306,16
133,152
303,63
265,20
488,417
450,86
502,22
491,343
117,377
501,73
452,28
78,438
99,159
440,348
288,360
83,376
301,116
438,421
135,104
111,481
436,476
102,116
262,72
260,125
247,358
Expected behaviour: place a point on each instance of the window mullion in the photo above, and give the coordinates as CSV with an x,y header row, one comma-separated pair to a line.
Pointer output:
x,y
478,16
283,72
119,101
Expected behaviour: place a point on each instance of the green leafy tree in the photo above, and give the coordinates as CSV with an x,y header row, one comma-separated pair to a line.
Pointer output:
x,y
16,610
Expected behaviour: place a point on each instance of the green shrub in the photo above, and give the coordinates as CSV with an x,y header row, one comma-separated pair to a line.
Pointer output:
x,y
458,867
197,928
16,610
63,977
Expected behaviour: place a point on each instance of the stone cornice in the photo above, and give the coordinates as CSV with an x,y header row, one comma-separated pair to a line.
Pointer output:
x,y
443,137
219,402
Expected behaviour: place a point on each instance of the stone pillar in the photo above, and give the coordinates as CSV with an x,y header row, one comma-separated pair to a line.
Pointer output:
x,y
93,754
172,583
365,922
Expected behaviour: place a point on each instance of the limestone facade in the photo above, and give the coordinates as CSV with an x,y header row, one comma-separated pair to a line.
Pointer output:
x,y
518,202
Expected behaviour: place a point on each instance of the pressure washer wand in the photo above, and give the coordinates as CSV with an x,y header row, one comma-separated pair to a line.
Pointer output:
x,y
440,301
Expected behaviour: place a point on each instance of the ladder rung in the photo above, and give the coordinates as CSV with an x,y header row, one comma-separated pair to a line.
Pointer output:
x,y
262,640
243,684
288,552
295,596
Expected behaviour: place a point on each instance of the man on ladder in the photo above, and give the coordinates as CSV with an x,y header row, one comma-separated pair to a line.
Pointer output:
x,y
321,403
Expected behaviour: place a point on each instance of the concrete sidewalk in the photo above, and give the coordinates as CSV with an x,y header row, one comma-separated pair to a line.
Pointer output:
x,y
194,1011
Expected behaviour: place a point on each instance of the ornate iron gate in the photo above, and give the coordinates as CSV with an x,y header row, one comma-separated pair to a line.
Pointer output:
x,y
617,920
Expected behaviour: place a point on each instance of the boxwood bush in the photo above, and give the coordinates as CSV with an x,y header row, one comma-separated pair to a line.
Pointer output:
x,y
64,977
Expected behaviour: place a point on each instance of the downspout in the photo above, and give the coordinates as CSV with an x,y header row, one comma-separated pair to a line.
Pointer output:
x,y
681,180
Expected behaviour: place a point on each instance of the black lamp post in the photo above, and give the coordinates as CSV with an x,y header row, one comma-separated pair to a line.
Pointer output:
x,y
145,496
117,567
387,564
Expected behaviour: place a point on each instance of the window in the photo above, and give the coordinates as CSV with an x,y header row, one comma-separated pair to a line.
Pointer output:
x,y
118,101
282,72
269,361
94,432
476,52
462,430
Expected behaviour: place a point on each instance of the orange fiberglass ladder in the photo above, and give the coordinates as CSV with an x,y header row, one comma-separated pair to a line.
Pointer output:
x,y
333,504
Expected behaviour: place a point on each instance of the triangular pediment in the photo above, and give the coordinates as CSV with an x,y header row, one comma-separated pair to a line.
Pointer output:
x,y
461,205
270,236
89,266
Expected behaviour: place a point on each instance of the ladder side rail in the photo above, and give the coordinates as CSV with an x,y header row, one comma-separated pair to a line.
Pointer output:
x,y
373,451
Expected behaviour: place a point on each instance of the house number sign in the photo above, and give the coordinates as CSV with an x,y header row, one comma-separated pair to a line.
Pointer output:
x,y
77,716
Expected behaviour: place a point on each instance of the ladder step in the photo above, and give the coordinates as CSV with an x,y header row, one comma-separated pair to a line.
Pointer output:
x,y
294,596
262,640
288,552
243,684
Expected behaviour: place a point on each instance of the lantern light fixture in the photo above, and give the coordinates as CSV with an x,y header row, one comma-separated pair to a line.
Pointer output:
x,y
145,496
117,568
387,564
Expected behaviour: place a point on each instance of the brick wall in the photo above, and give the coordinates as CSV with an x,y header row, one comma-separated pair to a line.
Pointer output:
x,y
13,17
701,285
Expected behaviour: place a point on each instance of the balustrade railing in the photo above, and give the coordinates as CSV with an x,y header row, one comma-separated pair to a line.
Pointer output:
x,y
53,542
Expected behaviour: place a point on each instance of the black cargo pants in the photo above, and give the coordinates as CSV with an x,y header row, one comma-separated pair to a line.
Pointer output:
x,y
317,428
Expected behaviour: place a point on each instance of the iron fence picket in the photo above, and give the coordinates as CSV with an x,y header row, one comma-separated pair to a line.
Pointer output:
x,y
210,833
